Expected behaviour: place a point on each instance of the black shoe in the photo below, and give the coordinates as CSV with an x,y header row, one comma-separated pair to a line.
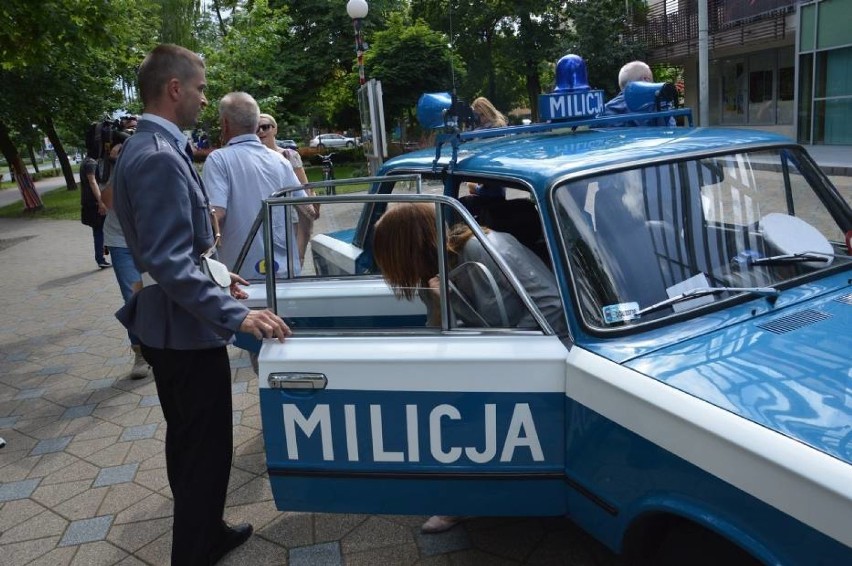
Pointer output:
x,y
230,539
104,264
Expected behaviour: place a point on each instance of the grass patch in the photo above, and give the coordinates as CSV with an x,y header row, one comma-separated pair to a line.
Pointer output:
x,y
60,204
345,171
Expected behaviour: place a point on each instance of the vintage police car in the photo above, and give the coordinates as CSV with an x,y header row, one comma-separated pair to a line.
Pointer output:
x,y
698,409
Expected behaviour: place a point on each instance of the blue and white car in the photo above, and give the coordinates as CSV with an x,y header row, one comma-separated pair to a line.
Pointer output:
x,y
698,410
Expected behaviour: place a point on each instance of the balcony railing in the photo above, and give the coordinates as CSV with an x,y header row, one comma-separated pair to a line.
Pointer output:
x,y
730,22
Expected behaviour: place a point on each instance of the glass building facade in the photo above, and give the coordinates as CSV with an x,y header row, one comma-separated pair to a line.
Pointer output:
x,y
824,48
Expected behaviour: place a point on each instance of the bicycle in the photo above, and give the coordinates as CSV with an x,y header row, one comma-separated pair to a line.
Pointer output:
x,y
328,172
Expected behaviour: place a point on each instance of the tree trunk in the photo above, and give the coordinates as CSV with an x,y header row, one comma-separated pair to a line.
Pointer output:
x,y
32,157
32,201
50,130
533,89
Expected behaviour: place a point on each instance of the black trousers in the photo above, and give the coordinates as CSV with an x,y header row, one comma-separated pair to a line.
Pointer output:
x,y
194,387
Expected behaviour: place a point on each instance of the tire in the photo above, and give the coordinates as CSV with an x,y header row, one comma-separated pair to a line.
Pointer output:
x,y
350,144
697,546
320,146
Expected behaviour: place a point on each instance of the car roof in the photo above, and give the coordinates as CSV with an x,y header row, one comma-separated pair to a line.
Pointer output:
x,y
541,158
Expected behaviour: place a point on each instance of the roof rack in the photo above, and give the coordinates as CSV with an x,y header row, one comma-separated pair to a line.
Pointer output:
x,y
615,120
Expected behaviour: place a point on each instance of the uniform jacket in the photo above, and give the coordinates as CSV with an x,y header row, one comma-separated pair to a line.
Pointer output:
x,y
165,215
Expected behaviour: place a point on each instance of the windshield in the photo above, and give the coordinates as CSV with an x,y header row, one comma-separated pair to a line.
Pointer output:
x,y
732,223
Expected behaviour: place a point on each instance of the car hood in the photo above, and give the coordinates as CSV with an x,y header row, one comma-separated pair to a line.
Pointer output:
x,y
791,371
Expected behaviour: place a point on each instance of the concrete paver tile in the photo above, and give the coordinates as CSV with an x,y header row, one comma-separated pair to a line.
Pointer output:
x,y
56,557
152,507
258,552
52,495
138,432
327,553
375,532
333,526
87,530
398,555
154,480
255,491
254,463
18,511
116,474
130,560
122,417
158,551
85,448
25,551
78,411
30,393
82,506
17,489
45,524
441,543
19,466
50,463
141,450
290,530
122,496
133,536
149,401
101,430
100,552
50,445
113,455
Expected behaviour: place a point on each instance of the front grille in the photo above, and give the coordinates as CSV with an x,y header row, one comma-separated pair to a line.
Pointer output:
x,y
845,299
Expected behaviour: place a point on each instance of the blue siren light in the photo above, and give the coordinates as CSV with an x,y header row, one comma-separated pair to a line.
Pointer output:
x,y
571,74
431,107
640,96
573,98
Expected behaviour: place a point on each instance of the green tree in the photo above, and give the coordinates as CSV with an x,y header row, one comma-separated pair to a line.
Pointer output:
x,y
60,65
410,59
600,34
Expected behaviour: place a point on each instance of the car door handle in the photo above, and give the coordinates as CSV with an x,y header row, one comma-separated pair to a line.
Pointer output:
x,y
297,380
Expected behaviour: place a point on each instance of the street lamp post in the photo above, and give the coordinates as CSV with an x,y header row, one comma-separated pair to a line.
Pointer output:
x,y
357,10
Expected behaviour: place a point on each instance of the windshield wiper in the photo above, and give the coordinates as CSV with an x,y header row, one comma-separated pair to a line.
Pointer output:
x,y
704,291
789,258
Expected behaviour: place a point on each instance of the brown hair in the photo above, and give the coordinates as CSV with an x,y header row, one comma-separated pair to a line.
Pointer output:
x,y
164,63
405,247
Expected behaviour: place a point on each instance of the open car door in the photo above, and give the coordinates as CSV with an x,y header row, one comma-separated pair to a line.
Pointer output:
x,y
381,413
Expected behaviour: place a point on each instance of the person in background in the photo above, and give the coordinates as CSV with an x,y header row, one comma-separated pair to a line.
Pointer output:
x,y
126,273
92,209
486,115
267,130
240,176
183,318
632,72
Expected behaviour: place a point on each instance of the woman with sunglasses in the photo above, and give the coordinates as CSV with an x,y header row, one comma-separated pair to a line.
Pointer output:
x,y
267,129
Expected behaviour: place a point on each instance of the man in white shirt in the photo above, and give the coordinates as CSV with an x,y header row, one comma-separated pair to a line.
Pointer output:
x,y
238,177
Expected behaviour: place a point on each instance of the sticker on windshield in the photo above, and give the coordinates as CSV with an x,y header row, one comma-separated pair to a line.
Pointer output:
x,y
620,312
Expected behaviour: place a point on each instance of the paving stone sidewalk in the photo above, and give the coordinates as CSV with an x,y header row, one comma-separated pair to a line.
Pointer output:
x,y
83,478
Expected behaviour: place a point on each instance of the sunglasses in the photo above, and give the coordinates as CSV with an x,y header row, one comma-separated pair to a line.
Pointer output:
x,y
264,127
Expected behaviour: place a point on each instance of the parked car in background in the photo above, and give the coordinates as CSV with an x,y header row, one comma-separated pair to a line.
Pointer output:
x,y
332,140
286,144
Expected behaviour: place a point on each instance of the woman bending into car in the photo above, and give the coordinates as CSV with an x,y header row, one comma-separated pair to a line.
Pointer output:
x,y
406,252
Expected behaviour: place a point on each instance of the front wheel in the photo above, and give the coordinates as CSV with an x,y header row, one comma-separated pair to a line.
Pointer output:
x,y
694,545
320,146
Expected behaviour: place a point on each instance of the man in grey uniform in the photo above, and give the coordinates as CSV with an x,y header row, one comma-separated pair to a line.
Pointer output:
x,y
183,319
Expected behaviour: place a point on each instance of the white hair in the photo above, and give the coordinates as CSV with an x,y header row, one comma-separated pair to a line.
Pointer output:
x,y
242,112
634,71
